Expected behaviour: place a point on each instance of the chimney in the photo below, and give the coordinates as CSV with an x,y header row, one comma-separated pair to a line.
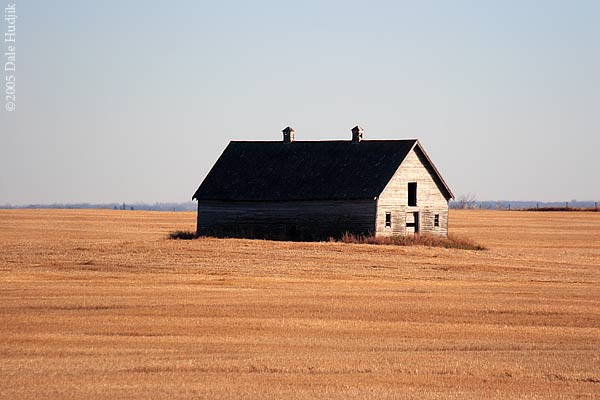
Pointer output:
x,y
357,134
288,135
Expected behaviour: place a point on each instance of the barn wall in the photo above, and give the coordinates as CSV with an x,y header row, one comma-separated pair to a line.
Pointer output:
x,y
430,199
291,220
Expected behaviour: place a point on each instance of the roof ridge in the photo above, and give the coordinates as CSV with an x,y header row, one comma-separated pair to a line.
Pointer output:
x,y
325,141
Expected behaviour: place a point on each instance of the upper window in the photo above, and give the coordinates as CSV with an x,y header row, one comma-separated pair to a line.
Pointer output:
x,y
412,194
388,219
436,220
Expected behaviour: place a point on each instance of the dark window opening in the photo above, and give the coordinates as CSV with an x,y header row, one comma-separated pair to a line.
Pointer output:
x,y
412,194
388,219
436,220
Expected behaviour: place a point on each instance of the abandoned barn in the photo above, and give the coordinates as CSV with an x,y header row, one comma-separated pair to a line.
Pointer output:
x,y
313,190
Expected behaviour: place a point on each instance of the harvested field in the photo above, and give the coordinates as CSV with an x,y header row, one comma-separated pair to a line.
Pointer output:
x,y
100,304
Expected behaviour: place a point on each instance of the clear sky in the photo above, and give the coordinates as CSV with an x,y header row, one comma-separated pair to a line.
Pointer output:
x,y
135,100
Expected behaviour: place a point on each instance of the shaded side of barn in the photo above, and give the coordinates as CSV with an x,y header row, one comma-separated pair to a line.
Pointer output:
x,y
286,220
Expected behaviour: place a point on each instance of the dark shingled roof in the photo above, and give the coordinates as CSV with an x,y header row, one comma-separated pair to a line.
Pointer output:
x,y
302,170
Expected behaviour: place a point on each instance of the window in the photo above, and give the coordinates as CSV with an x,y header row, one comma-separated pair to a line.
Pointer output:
x,y
388,219
436,220
412,194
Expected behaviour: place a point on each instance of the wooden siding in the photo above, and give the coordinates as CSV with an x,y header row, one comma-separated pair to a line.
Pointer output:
x,y
291,220
430,199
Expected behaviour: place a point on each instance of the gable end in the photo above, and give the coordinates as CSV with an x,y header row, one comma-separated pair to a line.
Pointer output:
x,y
435,174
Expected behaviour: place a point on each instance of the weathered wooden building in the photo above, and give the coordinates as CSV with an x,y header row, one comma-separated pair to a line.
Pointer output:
x,y
312,190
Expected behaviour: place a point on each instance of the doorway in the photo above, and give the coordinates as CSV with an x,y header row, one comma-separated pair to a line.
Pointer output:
x,y
412,222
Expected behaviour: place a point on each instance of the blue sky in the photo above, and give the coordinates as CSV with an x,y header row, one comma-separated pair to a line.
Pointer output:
x,y
134,101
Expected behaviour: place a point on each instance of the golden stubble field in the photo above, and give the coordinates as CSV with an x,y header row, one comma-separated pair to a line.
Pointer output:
x,y
100,305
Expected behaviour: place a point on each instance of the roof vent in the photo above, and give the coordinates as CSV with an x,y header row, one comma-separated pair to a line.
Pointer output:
x,y
357,134
288,135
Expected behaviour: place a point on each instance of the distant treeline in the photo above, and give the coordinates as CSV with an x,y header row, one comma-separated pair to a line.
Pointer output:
x,y
187,206
191,206
524,205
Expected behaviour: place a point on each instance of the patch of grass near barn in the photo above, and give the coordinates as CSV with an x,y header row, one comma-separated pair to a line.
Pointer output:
x,y
182,235
450,242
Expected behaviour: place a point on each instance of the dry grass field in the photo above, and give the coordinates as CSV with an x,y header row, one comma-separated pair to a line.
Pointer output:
x,y
100,305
